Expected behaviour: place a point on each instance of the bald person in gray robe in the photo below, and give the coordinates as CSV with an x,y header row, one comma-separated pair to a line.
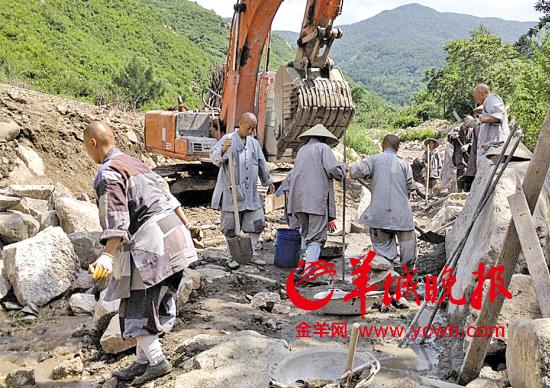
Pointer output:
x,y
494,128
249,163
389,216
311,197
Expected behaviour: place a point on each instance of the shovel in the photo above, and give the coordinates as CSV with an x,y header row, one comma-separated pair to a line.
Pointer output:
x,y
429,236
240,246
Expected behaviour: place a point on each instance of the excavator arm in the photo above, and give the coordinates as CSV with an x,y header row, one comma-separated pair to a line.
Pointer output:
x,y
324,99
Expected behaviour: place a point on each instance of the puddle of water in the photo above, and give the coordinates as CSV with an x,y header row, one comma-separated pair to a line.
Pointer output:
x,y
416,358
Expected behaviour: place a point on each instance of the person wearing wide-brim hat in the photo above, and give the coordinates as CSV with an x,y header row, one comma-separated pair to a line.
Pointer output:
x,y
432,156
311,196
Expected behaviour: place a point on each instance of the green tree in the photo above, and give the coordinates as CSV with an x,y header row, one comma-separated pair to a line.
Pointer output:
x,y
136,83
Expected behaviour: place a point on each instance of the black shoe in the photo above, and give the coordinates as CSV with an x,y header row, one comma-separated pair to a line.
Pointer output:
x,y
131,372
154,372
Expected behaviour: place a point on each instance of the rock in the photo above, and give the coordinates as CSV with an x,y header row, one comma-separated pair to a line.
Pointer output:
x,y
12,228
241,351
259,262
20,378
48,219
32,160
9,130
83,281
198,344
487,236
31,191
233,265
364,202
33,226
381,264
62,109
87,247
131,135
42,267
7,202
112,342
5,285
16,96
482,382
264,299
214,255
195,276
443,217
104,312
84,197
60,191
280,308
83,303
32,207
72,367
10,306
77,216
528,353
111,383
184,292
211,274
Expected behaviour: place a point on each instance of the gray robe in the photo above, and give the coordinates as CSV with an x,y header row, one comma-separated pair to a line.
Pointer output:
x,y
311,189
436,164
249,163
392,180
497,132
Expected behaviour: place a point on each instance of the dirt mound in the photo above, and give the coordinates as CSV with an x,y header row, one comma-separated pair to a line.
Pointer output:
x,y
53,127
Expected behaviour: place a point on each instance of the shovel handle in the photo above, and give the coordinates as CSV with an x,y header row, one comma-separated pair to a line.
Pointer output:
x,y
234,192
352,346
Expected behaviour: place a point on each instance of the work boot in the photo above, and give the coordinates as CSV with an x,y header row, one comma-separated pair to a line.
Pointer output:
x,y
133,371
153,372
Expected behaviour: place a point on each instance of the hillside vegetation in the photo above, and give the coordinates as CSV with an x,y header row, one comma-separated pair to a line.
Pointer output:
x,y
77,49
390,52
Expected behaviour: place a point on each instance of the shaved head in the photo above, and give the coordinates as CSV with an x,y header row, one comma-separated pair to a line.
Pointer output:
x,y
99,139
391,141
247,124
481,92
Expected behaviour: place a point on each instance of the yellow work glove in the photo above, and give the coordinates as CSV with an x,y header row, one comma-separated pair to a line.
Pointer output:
x,y
102,268
196,232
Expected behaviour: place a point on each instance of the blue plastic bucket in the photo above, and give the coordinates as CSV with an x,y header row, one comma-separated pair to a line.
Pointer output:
x,y
287,248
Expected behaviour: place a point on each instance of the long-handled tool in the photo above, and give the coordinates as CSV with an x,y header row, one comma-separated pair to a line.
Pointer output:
x,y
428,176
352,346
455,255
240,246
344,209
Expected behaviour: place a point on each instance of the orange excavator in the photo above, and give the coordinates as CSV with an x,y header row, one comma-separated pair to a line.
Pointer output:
x,y
308,91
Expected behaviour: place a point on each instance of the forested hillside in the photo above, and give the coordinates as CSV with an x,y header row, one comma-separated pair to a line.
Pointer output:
x,y
390,52
87,50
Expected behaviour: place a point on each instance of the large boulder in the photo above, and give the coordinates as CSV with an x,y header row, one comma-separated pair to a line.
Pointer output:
x,y
33,207
12,228
9,130
77,216
30,191
528,353
5,285
104,311
112,342
7,202
244,350
32,160
486,239
87,247
42,267
33,226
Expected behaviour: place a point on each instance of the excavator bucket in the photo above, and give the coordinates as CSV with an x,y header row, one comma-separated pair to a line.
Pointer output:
x,y
304,101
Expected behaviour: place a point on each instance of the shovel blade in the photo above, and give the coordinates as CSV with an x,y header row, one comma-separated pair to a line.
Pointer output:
x,y
432,237
240,248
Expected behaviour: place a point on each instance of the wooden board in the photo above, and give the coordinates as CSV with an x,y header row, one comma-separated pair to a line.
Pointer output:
x,y
532,250
488,316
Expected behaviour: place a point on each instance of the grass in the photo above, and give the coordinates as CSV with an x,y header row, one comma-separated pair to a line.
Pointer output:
x,y
420,134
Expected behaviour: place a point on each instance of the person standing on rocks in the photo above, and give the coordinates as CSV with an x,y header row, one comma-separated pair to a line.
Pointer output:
x,y
389,216
460,139
494,128
249,164
311,197
432,158
147,247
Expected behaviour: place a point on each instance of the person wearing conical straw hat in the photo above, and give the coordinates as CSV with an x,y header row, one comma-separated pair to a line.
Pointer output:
x,y
433,158
311,197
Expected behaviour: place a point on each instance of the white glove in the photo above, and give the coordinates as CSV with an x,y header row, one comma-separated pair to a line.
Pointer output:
x,y
102,268
465,147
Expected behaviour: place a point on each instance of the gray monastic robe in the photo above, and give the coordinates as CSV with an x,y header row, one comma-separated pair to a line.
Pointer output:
x,y
392,180
497,132
436,164
249,163
311,189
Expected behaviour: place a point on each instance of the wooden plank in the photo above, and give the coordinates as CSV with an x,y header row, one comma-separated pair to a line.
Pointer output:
x,y
488,316
532,250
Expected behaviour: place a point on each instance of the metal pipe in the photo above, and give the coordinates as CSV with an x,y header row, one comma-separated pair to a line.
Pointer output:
x,y
344,208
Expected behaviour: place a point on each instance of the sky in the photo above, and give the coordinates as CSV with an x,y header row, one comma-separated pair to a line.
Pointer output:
x,y
291,13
